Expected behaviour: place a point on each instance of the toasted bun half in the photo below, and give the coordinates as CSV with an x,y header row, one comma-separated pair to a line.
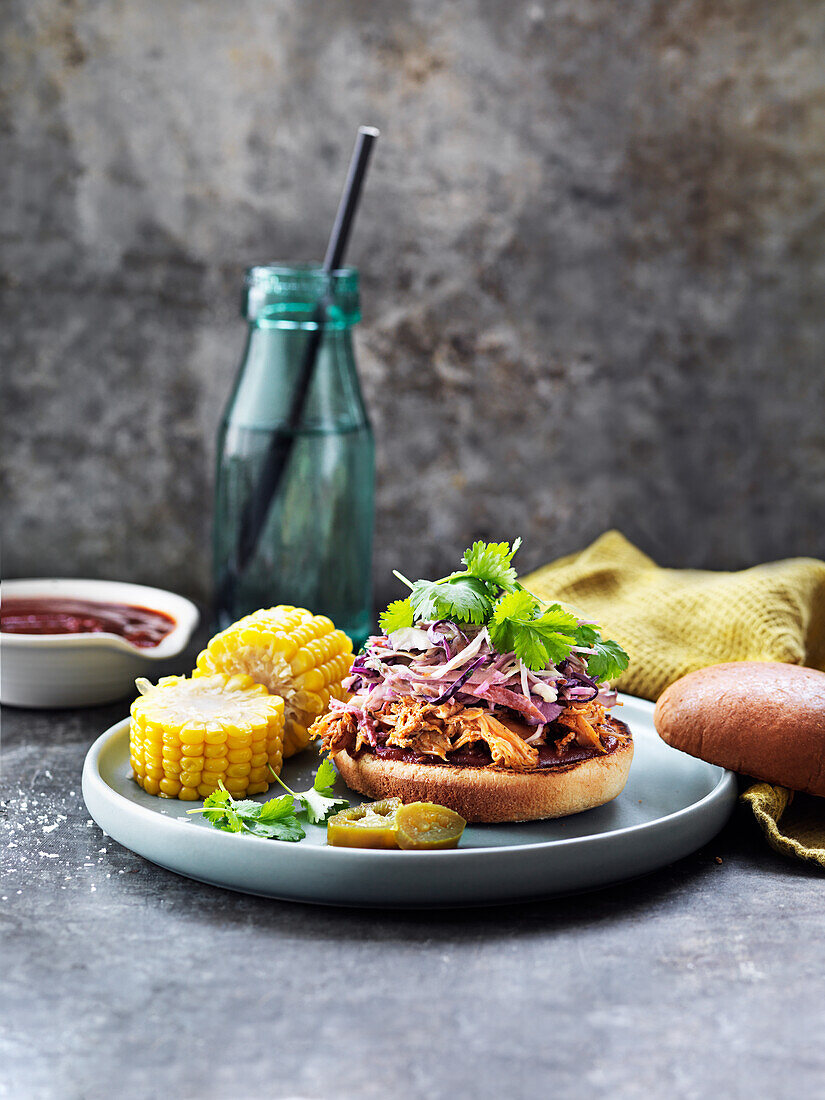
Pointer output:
x,y
761,718
492,794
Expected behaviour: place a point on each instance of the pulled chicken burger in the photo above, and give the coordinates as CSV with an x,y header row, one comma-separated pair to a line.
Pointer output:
x,y
481,698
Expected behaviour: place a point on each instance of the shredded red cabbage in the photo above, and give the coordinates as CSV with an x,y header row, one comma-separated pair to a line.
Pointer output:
x,y
437,661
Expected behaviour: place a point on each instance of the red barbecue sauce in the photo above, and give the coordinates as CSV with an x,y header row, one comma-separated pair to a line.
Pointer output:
x,y
141,626
476,756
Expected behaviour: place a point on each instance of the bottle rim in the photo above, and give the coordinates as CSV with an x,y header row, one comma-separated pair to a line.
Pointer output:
x,y
294,290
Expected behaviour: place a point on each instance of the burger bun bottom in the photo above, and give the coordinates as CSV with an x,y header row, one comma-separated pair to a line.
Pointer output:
x,y
492,794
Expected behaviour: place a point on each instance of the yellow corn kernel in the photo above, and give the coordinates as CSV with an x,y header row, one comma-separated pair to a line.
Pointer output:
x,y
190,734
184,735
236,786
293,653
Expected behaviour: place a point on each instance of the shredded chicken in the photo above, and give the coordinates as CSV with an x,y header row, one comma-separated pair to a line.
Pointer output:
x,y
337,730
564,741
575,719
584,721
507,749
429,742
436,730
419,726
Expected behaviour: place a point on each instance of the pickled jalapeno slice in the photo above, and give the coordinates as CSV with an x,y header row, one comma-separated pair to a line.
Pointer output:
x,y
371,825
426,827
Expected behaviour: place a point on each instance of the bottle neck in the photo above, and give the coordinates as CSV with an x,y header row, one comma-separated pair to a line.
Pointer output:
x,y
271,369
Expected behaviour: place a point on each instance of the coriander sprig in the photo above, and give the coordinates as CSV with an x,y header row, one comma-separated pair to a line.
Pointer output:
x,y
487,593
537,637
276,819
272,820
318,801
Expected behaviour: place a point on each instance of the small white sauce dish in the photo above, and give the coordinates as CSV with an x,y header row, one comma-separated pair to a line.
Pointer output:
x,y
83,670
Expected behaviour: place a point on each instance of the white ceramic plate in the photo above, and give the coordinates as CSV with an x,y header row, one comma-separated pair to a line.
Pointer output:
x,y
672,805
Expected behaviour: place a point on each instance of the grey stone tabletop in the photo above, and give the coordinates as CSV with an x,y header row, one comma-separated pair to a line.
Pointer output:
x,y
122,979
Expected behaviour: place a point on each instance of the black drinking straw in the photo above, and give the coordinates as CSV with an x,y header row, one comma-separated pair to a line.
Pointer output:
x,y
279,449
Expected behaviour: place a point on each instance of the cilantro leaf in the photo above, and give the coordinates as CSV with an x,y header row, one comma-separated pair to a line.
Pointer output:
x,y
273,820
398,616
221,810
469,598
557,628
276,809
529,647
276,820
608,661
538,640
287,829
246,807
319,801
508,612
231,822
587,634
214,805
319,806
426,600
325,776
460,599
492,562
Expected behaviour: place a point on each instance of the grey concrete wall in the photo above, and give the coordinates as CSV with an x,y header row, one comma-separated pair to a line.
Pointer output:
x,y
592,254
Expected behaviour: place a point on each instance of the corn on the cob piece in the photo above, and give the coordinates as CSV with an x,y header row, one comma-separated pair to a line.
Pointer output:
x,y
295,654
186,735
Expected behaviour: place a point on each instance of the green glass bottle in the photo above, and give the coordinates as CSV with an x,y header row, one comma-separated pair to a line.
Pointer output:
x,y
312,544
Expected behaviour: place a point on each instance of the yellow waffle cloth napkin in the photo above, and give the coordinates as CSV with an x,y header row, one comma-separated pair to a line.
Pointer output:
x,y
672,621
